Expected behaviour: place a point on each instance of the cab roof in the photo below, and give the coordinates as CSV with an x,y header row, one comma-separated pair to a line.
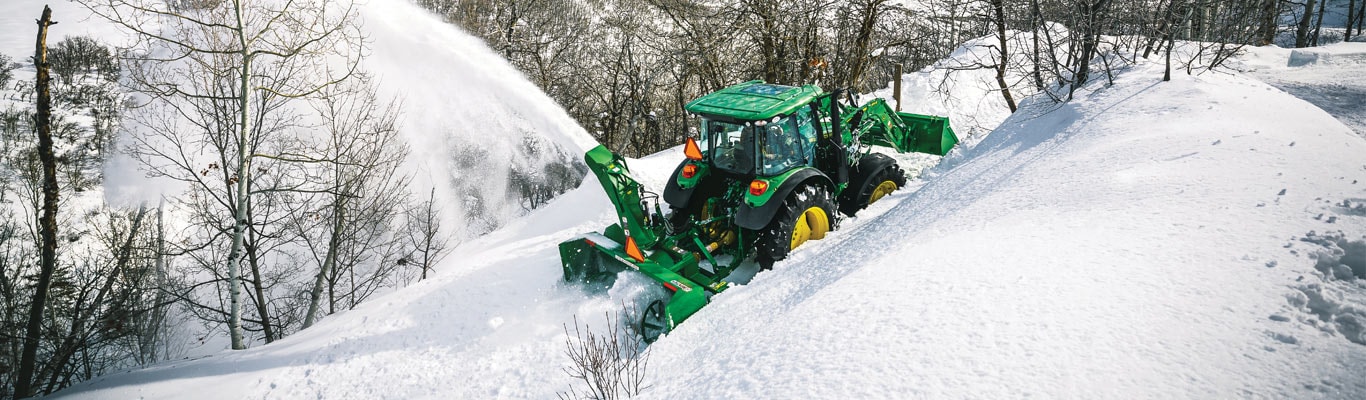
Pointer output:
x,y
754,100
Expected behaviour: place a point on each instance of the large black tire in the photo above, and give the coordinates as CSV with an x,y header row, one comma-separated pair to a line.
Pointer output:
x,y
810,205
883,181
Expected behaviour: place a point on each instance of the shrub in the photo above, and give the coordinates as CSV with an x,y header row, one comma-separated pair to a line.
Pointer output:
x,y
609,365
6,70
78,55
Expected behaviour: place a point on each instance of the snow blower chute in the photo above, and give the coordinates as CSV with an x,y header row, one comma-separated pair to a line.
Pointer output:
x,y
772,167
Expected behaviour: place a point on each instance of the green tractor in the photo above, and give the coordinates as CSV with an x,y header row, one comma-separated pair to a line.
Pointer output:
x,y
770,168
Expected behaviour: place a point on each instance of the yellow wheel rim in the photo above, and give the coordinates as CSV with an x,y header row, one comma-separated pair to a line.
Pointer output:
x,y
882,189
812,224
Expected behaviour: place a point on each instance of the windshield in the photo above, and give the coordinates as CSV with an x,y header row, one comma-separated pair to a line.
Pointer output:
x,y
785,147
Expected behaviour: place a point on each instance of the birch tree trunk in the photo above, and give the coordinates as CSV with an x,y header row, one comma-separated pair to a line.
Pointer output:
x,y
329,262
239,228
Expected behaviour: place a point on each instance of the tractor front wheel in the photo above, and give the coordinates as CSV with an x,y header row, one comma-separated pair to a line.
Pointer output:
x,y
806,214
883,182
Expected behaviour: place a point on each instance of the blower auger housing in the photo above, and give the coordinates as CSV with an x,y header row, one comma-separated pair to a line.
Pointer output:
x,y
770,168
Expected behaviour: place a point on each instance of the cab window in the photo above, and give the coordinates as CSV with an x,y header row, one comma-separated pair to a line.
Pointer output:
x,y
783,146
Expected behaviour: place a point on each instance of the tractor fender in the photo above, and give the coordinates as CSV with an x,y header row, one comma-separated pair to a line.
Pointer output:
x,y
706,185
755,218
867,168
674,194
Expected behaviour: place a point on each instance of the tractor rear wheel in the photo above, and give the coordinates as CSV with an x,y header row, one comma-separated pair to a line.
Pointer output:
x,y
883,182
806,214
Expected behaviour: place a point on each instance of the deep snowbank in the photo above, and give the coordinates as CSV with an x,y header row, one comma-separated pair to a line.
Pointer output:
x,y
1115,247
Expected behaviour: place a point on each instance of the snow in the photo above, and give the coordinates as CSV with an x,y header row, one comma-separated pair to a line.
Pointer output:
x,y
1148,240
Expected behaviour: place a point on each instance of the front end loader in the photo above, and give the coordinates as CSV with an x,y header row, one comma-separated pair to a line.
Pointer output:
x,y
771,168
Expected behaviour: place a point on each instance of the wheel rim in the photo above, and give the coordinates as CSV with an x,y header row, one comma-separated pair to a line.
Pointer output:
x,y
882,189
652,323
812,224
801,231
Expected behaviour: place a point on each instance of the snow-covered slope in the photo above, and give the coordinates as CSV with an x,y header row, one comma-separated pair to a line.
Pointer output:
x,y
1142,242
1149,240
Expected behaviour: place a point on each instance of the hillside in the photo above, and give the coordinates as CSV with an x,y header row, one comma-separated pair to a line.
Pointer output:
x,y
1200,238
1148,240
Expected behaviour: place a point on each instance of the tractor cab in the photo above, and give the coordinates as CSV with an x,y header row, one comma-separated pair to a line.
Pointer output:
x,y
758,148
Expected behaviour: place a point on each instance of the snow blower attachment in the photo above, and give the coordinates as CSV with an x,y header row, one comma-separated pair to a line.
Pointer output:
x,y
772,167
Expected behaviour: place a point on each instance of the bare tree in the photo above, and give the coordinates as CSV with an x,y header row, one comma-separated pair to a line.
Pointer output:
x,y
608,365
1351,20
111,302
1092,18
1361,17
367,191
427,242
205,69
1268,27
1318,22
1003,53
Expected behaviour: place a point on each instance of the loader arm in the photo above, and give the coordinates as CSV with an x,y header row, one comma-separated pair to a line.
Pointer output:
x,y
879,125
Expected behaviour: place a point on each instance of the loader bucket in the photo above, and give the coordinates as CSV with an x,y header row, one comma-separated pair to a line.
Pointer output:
x,y
931,134
904,132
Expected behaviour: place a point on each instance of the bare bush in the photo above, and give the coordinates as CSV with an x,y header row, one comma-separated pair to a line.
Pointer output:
x,y
7,67
609,365
78,55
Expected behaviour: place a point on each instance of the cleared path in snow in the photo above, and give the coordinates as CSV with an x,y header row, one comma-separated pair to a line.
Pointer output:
x,y
1331,77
